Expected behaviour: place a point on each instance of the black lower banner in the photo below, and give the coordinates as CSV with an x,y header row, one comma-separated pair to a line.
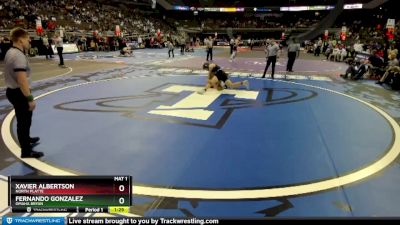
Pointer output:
x,y
205,221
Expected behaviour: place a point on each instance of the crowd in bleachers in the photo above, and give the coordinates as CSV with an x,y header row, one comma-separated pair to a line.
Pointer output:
x,y
89,24
240,20
369,50
277,20
76,15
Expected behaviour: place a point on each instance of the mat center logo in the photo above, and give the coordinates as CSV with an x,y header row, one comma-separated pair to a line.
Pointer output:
x,y
181,104
195,106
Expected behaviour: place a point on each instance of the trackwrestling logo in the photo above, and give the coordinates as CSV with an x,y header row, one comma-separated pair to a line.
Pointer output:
x,y
177,103
33,220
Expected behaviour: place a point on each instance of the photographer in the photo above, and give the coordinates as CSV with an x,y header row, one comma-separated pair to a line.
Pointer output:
x,y
356,70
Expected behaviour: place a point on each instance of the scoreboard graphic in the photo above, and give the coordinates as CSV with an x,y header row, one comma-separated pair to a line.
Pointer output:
x,y
94,194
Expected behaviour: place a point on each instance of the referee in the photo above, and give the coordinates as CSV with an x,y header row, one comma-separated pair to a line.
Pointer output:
x,y
17,77
293,52
271,52
59,44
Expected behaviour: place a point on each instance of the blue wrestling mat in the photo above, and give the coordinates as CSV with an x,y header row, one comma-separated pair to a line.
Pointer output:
x,y
282,134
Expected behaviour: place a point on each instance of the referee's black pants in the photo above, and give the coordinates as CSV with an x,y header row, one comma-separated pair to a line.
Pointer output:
x,y
271,59
59,51
24,117
209,53
291,59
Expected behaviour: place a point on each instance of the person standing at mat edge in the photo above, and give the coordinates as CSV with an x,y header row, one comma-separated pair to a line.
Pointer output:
x,y
209,45
58,41
17,77
271,52
293,53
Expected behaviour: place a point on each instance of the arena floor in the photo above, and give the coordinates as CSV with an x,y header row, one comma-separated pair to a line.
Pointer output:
x,y
307,144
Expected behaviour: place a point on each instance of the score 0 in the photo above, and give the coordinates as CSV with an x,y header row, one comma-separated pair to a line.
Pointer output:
x,y
122,189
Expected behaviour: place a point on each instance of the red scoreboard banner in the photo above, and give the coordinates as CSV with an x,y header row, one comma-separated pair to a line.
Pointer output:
x,y
69,193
